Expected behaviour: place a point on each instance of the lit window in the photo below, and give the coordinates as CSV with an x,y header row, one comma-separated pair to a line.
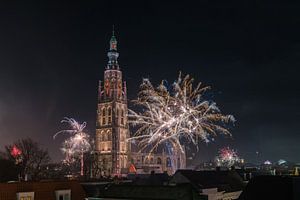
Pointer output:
x,y
25,196
63,194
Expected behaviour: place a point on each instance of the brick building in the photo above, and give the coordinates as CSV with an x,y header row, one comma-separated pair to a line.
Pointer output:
x,y
44,190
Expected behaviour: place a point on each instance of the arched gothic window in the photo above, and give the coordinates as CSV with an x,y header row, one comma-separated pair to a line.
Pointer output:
x,y
168,163
105,136
103,116
158,161
122,116
109,115
109,135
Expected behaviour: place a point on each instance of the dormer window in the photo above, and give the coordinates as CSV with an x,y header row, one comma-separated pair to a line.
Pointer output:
x,y
63,194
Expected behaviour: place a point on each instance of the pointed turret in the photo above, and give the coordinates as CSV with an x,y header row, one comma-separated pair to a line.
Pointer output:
x,y
113,54
113,41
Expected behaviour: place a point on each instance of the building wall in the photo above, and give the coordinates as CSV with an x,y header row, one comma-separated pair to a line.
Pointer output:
x,y
112,126
42,190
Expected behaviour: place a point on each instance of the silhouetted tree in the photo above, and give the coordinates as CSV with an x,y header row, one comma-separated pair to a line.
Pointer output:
x,y
32,159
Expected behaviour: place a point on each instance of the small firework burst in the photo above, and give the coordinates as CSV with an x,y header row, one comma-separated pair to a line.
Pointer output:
x,y
227,157
15,152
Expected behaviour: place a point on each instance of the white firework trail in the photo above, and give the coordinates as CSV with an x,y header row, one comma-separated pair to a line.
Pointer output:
x,y
77,144
174,115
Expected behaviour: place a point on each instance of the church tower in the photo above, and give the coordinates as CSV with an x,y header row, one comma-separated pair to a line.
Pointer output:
x,y
112,147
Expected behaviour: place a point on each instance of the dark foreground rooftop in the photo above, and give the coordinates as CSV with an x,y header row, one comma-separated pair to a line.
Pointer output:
x,y
149,192
228,180
272,187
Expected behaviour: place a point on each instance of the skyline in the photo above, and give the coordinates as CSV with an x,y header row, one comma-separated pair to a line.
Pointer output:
x,y
52,59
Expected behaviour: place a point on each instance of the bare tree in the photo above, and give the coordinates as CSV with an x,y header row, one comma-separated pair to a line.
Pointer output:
x,y
31,158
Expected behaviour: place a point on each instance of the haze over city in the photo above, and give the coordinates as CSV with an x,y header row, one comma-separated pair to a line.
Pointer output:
x,y
52,56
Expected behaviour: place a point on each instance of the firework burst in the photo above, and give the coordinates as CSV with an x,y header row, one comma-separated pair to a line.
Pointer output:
x,y
77,144
227,157
174,115
75,127
74,146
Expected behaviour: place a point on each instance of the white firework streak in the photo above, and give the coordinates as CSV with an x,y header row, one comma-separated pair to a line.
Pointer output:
x,y
78,143
75,126
175,114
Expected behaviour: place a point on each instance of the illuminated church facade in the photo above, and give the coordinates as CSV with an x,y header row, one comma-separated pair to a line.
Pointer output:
x,y
112,148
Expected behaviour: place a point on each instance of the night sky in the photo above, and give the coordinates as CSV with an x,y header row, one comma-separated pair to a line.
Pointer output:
x,y
53,54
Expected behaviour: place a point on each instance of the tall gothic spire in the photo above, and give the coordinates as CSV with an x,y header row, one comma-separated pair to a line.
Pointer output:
x,y
113,54
113,41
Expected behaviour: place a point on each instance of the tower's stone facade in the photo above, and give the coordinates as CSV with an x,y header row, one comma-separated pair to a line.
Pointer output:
x,y
113,154
112,147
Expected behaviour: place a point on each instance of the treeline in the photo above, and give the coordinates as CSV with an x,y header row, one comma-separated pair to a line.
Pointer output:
x,y
26,160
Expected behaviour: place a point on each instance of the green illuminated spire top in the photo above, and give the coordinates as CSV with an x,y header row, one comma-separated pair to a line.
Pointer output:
x,y
113,54
113,41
